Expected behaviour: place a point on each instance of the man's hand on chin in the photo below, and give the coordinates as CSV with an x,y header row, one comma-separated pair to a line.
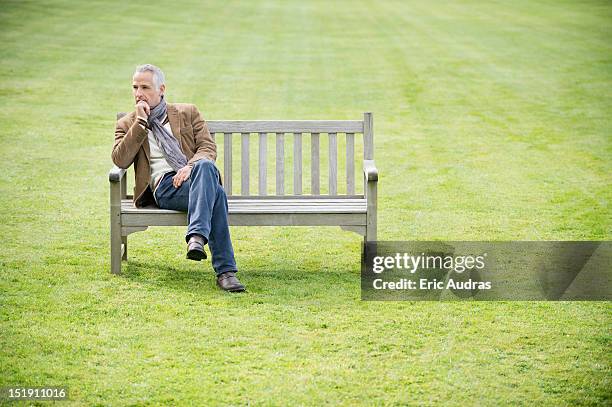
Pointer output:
x,y
181,176
143,109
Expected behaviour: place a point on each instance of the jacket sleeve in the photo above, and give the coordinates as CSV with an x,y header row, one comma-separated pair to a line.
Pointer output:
x,y
205,145
127,143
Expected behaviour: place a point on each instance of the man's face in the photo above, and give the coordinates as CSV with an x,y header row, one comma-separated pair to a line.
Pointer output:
x,y
143,88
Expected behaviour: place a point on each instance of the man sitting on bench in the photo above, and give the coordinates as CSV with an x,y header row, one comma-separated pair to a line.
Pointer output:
x,y
173,156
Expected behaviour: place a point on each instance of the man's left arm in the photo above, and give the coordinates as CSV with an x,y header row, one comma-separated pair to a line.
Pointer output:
x,y
205,145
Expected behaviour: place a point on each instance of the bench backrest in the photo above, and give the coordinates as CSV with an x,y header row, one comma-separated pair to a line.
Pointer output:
x,y
313,131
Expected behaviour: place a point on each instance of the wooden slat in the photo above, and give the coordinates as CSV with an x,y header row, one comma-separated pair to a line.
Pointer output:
x,y
280,164
297,163
227,163
297,219
263,173
255,219
333,164
302,209
284,206
135,218
127,206
270,200
314,164
300,202
244,166
305,197
350,163
368,137
249,212
283,201
368,142
285,126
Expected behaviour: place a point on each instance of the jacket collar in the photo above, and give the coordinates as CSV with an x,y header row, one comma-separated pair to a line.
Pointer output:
x,y
175,123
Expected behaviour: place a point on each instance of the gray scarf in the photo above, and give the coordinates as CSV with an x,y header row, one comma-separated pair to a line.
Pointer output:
x,y
165,140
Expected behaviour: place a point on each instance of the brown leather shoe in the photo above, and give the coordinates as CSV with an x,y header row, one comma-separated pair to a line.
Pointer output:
x,y
195,248
228,282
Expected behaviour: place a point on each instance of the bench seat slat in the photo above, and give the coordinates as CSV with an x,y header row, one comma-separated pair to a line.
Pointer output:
x,y
254,219
294,209
263,204
268,206
127,207
306,197
270,200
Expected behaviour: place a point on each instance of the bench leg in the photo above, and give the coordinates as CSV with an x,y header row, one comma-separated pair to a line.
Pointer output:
x,y
115,250
124,248
371,214
115,228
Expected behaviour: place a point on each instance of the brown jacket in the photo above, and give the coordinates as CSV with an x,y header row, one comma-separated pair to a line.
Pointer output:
x,y
132,145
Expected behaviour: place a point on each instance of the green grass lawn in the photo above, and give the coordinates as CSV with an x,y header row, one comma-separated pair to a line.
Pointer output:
x,y
492,122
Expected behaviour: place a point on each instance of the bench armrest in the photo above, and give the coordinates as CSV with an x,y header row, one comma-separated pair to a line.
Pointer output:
x,y
370,171
116,174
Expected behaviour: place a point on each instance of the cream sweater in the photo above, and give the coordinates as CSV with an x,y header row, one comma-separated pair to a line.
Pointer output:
x,y
159,165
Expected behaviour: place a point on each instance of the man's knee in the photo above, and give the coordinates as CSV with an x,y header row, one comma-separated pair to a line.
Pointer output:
x,y
204,164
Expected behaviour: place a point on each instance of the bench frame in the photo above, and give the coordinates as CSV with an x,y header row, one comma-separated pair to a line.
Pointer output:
x,y
356,213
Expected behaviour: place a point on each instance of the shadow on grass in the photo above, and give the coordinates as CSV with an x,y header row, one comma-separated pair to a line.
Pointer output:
x,y
274,281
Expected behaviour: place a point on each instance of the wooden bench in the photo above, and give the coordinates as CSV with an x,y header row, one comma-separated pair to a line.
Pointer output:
x,y
350,210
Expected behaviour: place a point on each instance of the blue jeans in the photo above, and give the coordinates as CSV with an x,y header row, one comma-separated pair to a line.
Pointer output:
x,y
205,202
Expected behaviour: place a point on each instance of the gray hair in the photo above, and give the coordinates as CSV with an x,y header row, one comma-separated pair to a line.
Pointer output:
x,y
158,75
